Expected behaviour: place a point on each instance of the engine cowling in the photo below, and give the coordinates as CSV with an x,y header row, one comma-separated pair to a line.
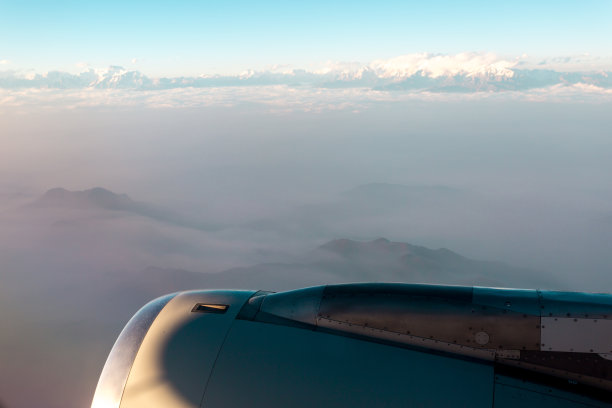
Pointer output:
x,y
364,345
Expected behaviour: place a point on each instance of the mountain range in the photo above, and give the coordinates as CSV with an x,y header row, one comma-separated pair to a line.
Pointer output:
x,y
345,260
378,77
75,284
98,198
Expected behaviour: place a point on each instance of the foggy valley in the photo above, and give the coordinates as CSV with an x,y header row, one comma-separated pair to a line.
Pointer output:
x,y
103,210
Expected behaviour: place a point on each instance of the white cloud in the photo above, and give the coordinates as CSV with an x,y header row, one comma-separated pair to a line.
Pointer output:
x,y
4,62
284,69
276,98
430,65
342,70
435,66
570,63
332,85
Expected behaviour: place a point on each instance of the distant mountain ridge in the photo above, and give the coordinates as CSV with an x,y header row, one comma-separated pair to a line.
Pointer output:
x,y
96,197
460,76
99,198
350,249
345,260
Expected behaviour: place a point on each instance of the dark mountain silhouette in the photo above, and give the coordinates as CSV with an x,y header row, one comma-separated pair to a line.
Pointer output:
x,y
102,199
384,251
345,260
93,198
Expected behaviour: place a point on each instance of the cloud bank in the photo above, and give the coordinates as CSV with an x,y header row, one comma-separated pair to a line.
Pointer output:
x,y
431,76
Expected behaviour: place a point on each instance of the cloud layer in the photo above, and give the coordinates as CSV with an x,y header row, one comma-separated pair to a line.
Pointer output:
x,y
344,85
446,73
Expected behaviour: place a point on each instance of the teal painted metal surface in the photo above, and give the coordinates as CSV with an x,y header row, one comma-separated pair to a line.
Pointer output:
x,y
277,366
514,392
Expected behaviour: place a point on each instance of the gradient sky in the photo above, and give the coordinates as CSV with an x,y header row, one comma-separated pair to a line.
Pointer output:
x,y
195,37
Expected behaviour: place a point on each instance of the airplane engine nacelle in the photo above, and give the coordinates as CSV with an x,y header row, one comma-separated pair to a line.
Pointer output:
x,y
364,345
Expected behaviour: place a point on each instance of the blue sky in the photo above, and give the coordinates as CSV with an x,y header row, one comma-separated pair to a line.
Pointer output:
x,y
195,37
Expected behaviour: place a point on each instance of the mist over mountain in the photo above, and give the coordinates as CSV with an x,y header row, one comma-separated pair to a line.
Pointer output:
x,y
365,210
393,195
96,298
381,260
98,198
107,255
300,199
337,261
344,261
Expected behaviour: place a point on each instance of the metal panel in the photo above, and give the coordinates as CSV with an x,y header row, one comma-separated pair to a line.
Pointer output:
x,y
272,366
119,362
541,371
513,300
251,307
421,342
577,335
503,325
432,317
512,393
461,294
573,365
580,305
298,305
177,355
